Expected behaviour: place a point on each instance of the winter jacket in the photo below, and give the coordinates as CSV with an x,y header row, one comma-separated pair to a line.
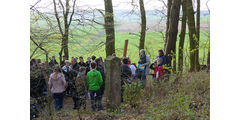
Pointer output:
x,y
81,86
126,73
57,83
101,70
159,71
82,64
94,80
146,65
52,63
164,59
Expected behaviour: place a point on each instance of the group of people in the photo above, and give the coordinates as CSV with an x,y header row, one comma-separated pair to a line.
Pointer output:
x,y
83,79
77,80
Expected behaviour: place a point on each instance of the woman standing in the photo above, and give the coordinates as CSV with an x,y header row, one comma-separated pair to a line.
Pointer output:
x,y
57,84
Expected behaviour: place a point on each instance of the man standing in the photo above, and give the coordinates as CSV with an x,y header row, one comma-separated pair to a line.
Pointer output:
x,y
143,66
63,61
52,62
94,81
101,70
74,68
66,72
126,74
81,63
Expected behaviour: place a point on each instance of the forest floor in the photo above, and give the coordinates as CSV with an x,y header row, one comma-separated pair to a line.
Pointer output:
x,y
182,97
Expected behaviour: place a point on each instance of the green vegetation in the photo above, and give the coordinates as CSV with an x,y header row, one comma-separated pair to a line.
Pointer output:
x,y
87,45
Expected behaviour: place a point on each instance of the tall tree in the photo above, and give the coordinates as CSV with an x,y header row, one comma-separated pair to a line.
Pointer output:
x,y
143,25
109,28
182,37
192,34
198,37
169,4
170,49
67,22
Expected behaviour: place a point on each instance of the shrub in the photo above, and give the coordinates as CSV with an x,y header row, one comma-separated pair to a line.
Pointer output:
x,y
132,94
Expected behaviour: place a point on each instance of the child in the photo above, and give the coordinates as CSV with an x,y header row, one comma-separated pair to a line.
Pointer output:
x,y
81,88
159,71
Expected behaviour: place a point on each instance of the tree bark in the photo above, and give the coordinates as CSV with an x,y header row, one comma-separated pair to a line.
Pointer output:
x,y
143,25
169,4
198,37
172,31
182,38
109,28
192,35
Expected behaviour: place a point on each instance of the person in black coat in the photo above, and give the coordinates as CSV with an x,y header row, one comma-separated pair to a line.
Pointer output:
x,y
101,70
81,63
74,69
126,74
63,61
52,62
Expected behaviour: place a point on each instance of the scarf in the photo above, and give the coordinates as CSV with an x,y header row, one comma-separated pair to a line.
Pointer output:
x,y
142,59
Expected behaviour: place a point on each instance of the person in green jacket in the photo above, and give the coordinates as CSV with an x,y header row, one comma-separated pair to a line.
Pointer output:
x,y
94,81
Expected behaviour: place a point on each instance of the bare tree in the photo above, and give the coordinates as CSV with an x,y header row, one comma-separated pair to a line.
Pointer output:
x,y
67,22
109,28
143,25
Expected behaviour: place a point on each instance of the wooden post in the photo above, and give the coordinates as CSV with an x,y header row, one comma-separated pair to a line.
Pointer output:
x,y
125,48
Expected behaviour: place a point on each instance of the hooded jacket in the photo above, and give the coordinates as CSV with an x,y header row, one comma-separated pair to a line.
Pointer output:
x,y
94,80
57,83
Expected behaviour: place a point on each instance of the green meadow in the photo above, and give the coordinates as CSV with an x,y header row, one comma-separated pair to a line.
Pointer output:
x,y
86,45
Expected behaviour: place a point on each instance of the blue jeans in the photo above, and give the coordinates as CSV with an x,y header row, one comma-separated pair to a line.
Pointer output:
x,y
58,99
97,99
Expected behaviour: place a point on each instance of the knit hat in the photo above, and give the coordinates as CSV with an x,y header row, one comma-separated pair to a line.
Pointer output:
x,y
142,50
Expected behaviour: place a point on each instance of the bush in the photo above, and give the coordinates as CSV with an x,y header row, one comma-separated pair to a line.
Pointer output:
x,y
132,94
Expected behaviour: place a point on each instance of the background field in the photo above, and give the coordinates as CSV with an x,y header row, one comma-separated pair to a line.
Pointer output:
x,y
90,40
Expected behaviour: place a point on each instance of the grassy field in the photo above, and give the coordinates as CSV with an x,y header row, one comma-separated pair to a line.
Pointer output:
x,y
87,45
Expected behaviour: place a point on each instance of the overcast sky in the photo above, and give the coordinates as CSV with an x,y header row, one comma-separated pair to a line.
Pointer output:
x,y
117,4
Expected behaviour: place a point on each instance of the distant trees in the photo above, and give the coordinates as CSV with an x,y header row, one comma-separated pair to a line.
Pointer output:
x,y
170,49
67,19
143,25
109,28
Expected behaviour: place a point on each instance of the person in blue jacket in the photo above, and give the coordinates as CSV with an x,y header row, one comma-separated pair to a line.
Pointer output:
x,y
161,55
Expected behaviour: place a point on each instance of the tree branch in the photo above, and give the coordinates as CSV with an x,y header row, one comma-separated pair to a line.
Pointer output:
x,y
72,12
35,4
62,7
56,15
38,45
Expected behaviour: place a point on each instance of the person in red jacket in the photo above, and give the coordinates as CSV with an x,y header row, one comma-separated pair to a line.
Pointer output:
x,y
159,71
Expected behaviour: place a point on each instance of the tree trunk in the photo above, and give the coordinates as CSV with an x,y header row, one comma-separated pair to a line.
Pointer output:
x,y
167,25
143,25
198,37
172,31
192,34
109,28
208,59
182,38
